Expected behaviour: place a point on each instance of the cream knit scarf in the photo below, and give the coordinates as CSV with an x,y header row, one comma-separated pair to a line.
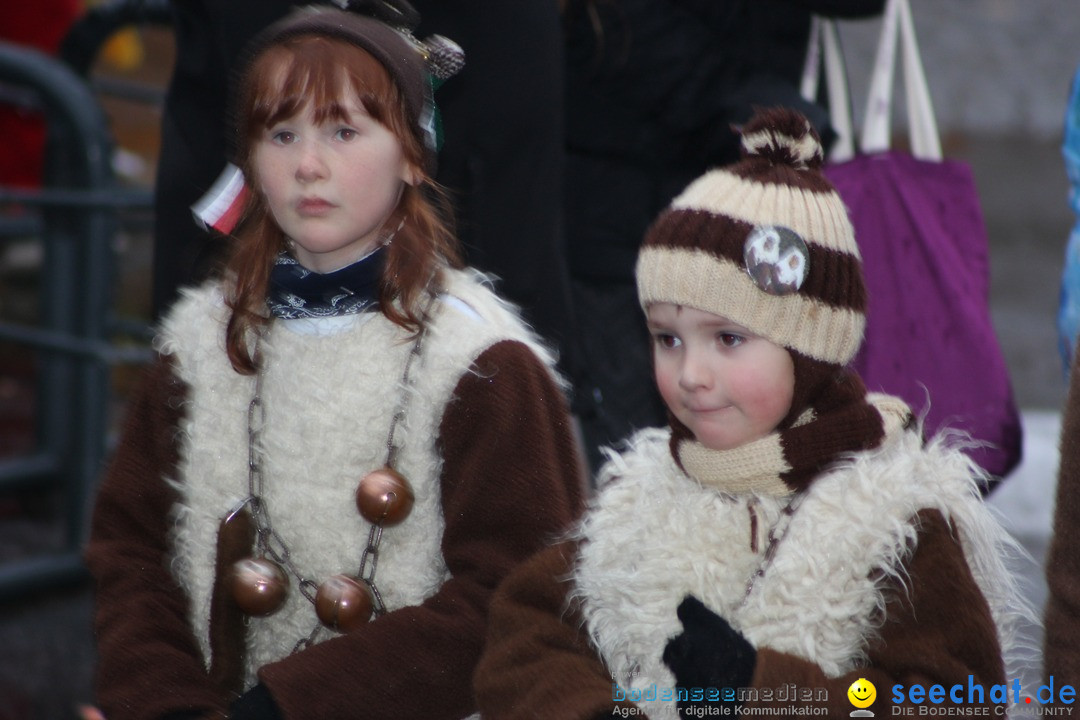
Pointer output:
x,y
843,420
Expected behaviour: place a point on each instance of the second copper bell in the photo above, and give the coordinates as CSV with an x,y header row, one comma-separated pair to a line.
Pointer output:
x,y
384,497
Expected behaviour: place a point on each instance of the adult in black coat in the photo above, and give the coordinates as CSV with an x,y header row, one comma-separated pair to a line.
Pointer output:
x,y
653,88
502,159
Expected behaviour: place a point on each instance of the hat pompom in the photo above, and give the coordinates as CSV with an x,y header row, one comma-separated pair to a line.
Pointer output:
x,y
783,137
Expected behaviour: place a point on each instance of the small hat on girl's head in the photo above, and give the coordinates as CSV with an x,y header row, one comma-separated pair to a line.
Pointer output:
x,y
383,29
765,242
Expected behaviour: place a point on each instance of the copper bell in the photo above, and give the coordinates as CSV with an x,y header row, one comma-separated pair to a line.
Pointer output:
x,y
343,603
384,497
259,586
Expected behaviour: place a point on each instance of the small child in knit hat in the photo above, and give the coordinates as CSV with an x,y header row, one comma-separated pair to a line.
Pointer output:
x,y
790,542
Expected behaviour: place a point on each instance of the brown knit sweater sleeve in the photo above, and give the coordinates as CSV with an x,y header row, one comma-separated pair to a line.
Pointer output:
x,y
1061,651
148,661
510,482
538,663
937,631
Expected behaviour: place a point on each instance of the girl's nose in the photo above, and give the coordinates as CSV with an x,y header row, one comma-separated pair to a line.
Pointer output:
x,y
311,165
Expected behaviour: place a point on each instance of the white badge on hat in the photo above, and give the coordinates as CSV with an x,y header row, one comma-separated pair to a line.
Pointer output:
x,y
776,259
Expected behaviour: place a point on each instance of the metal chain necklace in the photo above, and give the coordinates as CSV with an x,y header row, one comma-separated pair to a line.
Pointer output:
x,y
776,535
343,602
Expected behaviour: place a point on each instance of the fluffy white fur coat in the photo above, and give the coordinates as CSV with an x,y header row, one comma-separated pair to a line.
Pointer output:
x,y
329,399
655,535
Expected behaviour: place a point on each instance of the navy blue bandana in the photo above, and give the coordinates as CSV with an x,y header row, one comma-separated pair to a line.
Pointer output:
x,y
296,292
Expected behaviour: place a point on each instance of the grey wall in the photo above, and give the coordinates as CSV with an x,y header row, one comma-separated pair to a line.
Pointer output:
x,y
994,66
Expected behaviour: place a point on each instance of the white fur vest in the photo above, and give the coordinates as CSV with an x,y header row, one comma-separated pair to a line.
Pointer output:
x,y
655,535
329,399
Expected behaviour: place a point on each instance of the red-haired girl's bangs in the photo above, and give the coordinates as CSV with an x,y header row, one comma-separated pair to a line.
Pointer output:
x,y
312,71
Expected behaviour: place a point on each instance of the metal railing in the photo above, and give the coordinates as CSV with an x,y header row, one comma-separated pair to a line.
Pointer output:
x,y
74,216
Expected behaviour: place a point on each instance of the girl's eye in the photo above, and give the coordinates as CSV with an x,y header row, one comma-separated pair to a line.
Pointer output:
x,y
345,134
283,137
730,339
666,341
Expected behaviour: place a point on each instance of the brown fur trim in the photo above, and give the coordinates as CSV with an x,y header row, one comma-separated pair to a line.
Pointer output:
x,y
538,662
236,538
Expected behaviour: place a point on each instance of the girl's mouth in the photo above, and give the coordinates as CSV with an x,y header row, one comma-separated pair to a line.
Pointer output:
x,y
314,206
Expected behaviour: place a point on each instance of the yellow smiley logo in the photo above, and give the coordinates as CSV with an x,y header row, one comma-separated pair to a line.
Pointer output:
x,y
862,693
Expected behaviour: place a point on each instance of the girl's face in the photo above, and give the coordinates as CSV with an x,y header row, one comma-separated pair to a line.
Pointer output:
x,y
331,183
727,385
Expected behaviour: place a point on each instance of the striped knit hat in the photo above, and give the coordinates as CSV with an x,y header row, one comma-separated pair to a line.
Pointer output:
x,y
765,242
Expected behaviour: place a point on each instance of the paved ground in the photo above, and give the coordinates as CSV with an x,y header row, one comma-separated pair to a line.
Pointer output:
x,y
46,654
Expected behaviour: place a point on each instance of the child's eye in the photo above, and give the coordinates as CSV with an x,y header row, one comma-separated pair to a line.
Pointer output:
x,y
283,137
345,134
730,339
666,341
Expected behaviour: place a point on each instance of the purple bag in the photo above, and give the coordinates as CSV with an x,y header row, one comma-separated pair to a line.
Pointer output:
x,y
929,337
920,229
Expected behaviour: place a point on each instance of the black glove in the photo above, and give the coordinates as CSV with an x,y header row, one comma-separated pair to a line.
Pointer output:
x,y
709,654
256,704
